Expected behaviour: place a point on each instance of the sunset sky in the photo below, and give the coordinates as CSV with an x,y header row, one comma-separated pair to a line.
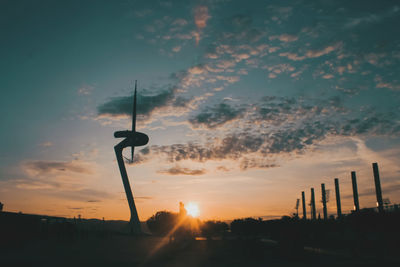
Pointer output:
x,y
246,104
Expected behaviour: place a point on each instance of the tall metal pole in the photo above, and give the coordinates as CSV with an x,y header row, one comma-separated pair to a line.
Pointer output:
x,y
355,191
134,220
324,201
338,205
378,187
303,199
313,211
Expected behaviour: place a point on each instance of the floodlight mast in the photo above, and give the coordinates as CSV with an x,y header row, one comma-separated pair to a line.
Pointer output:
x,y
132,139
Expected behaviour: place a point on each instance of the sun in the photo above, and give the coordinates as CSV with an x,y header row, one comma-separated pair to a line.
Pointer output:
x,y
192,209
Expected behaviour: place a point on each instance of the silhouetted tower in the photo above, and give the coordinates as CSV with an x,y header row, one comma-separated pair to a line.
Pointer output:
x,y
355,191
378,187
131,139
324,201
313,211
303,199
338,206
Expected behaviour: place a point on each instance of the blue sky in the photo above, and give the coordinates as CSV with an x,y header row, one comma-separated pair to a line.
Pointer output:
x,y
246,104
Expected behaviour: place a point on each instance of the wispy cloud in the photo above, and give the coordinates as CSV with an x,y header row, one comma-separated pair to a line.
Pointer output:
x,y
284,38
372,18
43,167
177,170
46,144
201,16
324,51
314,53
393,85
85,90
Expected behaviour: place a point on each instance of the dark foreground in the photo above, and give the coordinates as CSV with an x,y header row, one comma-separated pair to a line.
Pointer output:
x,y
123,250
360,239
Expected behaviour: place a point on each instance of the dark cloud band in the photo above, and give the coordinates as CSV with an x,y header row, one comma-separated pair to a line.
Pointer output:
x,y
146,104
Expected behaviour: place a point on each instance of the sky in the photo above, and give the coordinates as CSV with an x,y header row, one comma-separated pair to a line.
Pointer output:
x,y
246,104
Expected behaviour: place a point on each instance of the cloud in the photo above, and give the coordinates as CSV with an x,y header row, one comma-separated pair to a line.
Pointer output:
x,y
225,64
146,104
30,184
252,163
180,22
313,53
392,188
218,115
375,58
144,198
380,83
229,79
168,102
43,167
281,141
176,49
199,69
182,171
284,38
201,16
279,69
69,177
240,21
239,29
164,102
375,124
240,57
328,76
55,186
273,127
372,18
231,147
292,56
61,179
81,194
222,168
85,90
326,50
46,144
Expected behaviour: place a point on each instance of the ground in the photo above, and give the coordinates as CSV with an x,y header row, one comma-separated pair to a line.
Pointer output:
x,y
123,250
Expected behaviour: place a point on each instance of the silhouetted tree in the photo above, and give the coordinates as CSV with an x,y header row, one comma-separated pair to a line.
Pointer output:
x,y
248,226
213,228
162,222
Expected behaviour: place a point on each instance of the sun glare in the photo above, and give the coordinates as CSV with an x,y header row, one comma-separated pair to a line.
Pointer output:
x,y
192,209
